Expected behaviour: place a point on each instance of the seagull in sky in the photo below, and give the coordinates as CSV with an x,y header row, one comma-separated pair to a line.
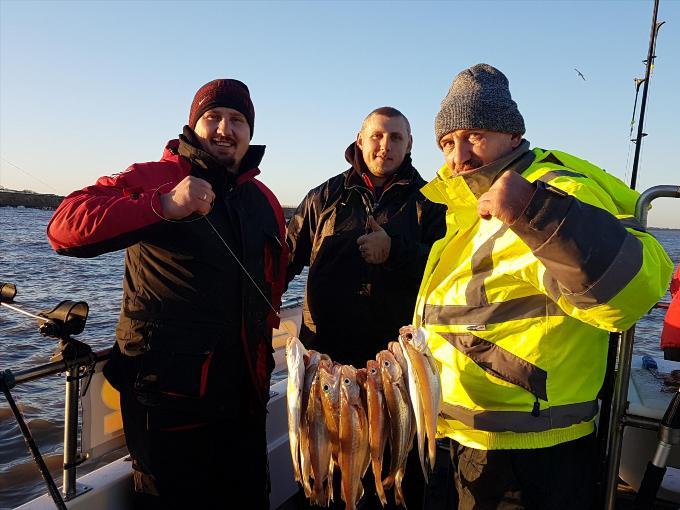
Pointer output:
x,y
580,74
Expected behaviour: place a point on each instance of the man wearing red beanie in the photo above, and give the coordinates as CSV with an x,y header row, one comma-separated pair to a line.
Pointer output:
x,y
204,268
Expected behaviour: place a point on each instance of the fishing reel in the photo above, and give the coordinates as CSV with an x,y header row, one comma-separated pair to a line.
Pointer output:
x,y
61,322
66,319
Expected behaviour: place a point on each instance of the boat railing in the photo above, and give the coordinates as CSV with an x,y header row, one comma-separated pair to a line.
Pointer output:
x,y
619,417
72,368
75,368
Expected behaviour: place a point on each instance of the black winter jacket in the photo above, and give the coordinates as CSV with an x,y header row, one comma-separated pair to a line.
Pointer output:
x,y
352,308
198,322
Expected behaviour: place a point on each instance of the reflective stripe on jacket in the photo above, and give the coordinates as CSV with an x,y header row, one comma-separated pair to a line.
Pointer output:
x,y
518,315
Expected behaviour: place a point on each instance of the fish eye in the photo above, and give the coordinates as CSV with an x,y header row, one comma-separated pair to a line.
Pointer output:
x,y
386,363
346,381
326,387
373,371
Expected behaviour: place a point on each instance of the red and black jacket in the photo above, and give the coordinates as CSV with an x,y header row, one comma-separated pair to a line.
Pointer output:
x,y
670,335
183,289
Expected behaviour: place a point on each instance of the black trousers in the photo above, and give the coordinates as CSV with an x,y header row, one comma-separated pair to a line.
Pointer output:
x,y
180,465
560,477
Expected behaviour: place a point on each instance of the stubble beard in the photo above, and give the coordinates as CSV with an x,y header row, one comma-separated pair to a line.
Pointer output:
x,y
380,170
228,162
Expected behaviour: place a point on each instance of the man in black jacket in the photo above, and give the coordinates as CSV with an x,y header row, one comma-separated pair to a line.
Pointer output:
x,y
204,272
365,235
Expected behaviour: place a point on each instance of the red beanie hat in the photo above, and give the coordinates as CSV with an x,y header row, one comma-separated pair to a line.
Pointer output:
x,y
223,92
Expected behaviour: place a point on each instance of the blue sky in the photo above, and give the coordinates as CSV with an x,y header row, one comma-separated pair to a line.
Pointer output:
x,y
87,88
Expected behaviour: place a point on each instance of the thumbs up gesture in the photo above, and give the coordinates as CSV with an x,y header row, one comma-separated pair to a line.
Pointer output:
x,y
375,246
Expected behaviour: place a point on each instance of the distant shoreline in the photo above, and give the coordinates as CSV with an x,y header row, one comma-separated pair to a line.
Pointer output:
x,y
31,200
12,198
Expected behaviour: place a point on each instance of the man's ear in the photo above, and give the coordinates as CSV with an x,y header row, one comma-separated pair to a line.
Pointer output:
x,y
516,140
410,144
360,143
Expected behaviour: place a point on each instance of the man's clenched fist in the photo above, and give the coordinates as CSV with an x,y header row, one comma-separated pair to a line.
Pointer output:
x,y
507,198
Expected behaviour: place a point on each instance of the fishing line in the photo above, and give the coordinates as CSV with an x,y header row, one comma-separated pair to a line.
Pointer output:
x,y
32,176
156,191
631,140
625,173
241,265
245,271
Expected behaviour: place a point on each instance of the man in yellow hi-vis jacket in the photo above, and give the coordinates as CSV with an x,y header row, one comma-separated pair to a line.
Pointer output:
x,y
541,258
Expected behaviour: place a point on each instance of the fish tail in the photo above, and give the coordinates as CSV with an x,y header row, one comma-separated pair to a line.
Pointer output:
x,y
377,468
432,452
398,493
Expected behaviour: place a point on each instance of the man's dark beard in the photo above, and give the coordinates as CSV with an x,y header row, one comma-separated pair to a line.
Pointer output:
x,y
228,162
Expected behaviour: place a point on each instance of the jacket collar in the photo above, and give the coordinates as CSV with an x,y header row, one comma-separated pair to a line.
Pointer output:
x,y
480,179
208,168
358,174
445,189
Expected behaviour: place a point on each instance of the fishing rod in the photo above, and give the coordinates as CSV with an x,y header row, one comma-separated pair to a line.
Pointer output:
x,y
669,427
608,422
66,319
645,86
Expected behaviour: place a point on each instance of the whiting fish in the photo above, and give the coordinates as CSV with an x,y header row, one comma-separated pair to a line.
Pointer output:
x,y
414,343
353,432
320,446
311,360
377,424
405,362
400,419
295,352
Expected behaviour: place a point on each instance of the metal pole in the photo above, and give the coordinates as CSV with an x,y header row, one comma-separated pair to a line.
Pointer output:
x,y
619,405
71,431
646,197
648,71
56,367
620,399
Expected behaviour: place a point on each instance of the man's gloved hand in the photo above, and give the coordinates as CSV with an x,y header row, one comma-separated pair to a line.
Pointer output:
x,y
375,246
506,199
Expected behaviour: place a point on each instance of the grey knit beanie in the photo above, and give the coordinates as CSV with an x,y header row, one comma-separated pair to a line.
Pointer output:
x,y
479,98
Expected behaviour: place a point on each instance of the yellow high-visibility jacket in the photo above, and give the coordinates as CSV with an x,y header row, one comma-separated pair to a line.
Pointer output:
x,y
518,315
